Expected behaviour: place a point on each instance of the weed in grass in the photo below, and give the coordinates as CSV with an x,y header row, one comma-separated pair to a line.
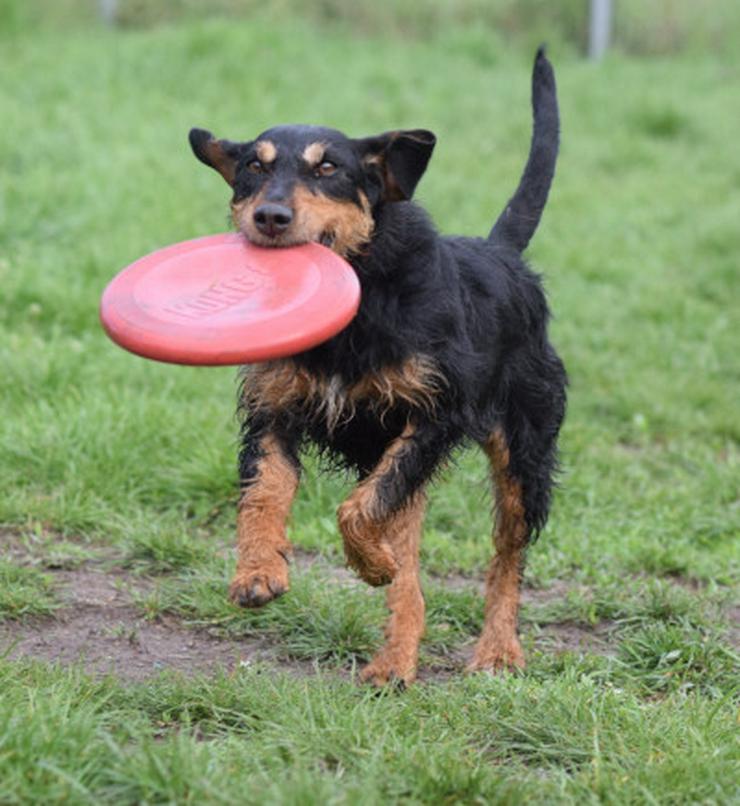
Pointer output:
x,y
52,551
24,592
632,601
62,555
126,632
678,656
163,551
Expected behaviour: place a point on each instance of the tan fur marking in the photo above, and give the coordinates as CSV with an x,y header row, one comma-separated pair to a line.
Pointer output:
x,y
277,385
220,160
266,151
262,545
313,154
242,215
281,384
417,382
349,225
398,658
498,646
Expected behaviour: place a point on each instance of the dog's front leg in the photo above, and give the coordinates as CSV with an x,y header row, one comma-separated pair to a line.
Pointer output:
x,y
269,473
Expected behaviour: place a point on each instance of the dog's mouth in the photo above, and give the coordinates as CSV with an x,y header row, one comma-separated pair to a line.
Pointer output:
x,y
326,238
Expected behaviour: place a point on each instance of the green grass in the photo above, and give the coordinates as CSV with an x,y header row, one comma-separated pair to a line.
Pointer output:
x,y
24,592
477,740
106,456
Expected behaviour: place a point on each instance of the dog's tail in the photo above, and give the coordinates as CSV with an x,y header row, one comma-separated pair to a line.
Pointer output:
x,y
518,222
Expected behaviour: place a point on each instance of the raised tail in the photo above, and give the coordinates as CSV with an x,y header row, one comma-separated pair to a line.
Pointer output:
x,y
518,222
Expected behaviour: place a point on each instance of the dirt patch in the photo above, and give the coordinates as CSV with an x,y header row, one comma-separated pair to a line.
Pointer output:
x,y
99,627
573,637
120,643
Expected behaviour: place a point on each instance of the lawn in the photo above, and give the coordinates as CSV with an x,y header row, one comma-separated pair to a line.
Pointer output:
x,y
118,475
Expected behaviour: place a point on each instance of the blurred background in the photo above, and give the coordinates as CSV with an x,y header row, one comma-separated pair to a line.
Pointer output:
x,y
639,28
639,248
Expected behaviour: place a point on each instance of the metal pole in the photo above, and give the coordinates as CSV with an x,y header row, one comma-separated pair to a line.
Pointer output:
x,y
108,11
599,28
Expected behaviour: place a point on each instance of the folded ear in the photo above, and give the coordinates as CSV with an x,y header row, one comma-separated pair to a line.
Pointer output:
x,y
221,155
401,157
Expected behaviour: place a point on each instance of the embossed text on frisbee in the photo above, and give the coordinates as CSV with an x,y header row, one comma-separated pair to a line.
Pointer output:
x,y
218,297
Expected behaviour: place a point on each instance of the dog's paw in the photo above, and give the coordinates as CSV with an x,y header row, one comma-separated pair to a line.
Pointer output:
x,y
376,565
498,657
389,668
257,586
365,546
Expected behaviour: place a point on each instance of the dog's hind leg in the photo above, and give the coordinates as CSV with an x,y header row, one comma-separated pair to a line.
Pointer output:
x,y
398,658
269,473
381,525
498,646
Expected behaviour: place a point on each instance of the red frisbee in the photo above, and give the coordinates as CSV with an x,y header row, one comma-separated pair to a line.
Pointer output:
x,y
222,300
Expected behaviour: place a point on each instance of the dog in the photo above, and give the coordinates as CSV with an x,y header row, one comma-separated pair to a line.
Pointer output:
x,y
449,348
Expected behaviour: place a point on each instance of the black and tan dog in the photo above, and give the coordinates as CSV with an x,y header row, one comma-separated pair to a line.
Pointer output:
x,y
449,347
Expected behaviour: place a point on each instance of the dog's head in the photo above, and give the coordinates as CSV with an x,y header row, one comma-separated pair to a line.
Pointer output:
x,y
295,184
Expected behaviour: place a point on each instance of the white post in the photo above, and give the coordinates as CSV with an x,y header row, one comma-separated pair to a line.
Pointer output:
x,y
108,11
599,28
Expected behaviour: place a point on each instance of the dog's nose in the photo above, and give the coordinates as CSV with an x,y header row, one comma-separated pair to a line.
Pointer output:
x,y
272,219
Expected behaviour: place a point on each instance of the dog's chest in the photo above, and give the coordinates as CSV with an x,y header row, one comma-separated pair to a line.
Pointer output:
x,y
286,386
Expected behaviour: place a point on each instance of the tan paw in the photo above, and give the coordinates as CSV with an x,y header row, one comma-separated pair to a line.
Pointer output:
x,y
261,584
497,657
390,669
365,547
376,565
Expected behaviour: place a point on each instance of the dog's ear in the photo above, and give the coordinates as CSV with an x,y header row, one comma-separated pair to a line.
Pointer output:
x,y
400,157
221,155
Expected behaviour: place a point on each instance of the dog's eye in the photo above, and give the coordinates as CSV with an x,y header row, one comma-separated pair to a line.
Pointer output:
x,y
255,167
326,168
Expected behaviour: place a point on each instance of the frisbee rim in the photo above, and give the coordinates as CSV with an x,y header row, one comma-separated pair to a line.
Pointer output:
x,y
145,335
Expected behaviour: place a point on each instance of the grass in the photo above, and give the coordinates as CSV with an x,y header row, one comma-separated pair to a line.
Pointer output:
x,y
24,592
104,455
492,740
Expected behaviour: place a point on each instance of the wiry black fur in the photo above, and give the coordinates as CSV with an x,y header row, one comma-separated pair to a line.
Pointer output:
x,y
471,304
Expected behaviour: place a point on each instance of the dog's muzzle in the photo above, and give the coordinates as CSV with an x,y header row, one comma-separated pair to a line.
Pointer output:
x,y
272,219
